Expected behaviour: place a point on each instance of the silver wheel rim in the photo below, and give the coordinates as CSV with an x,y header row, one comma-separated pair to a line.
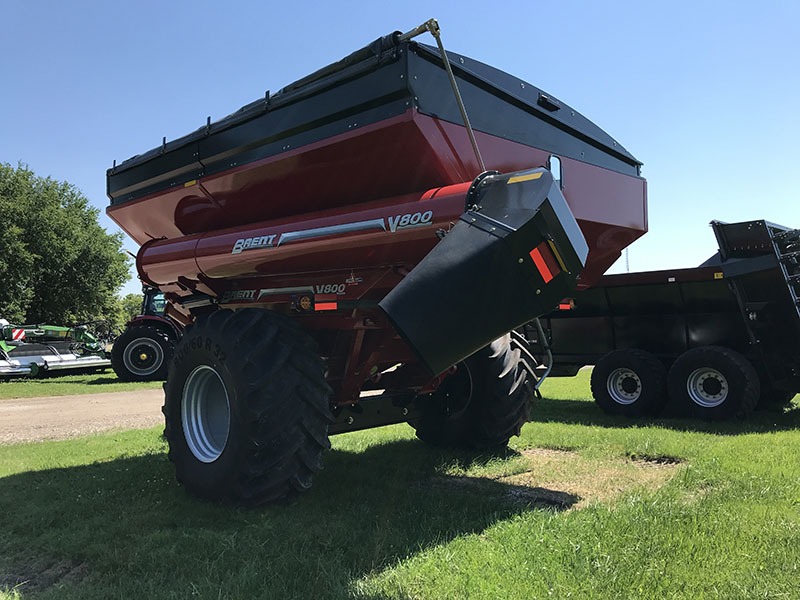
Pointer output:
x,y
147,346
206,414
707,387
624,386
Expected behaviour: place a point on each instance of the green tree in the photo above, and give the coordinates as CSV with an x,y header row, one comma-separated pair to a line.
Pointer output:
x,y
57,264
131,305
15,265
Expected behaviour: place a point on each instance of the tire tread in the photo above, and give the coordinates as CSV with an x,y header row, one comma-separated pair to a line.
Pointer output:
x,y
499,407
285,409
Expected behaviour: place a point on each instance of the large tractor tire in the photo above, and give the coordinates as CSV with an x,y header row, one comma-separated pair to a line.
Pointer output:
x,y
713,383
629,382
141,354
246,408
483,404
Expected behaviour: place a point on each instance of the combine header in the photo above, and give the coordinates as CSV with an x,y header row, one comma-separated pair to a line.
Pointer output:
x,y
380,224
39,349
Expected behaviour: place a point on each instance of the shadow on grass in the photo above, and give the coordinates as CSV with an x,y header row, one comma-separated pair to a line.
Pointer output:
x,y
67,376
581,412
104,380
129,530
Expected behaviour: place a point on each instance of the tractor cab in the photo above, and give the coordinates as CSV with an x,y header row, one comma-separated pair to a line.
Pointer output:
x,y
153,303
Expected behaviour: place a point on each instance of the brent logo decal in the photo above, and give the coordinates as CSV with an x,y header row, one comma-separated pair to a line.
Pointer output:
x,y
252,243
417,219
231,295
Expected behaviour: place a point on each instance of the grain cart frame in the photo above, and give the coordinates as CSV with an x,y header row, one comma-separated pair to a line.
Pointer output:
x,y
711,341
343,236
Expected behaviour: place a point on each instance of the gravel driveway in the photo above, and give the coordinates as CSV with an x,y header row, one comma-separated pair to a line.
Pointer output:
x,y
62,417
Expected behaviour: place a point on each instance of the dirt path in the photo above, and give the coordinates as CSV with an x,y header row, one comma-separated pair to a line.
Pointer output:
x,y
62,417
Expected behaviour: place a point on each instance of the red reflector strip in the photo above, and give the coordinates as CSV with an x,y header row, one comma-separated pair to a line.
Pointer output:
x,y
564,306
325,306
541,265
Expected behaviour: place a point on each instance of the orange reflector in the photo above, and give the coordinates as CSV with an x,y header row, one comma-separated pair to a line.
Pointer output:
x,y
566,304
325,306
304,303
541,265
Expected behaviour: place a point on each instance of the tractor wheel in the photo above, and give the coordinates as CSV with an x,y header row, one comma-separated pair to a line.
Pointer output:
x,y
714,383
483,404
246,407
141,354
629,382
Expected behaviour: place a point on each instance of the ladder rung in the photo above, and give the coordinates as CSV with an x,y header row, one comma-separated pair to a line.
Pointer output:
x,y
787,233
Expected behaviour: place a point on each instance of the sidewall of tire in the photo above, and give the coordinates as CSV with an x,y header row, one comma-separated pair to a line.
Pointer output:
x,y
651,373
278,407
137,333
743,383
214,479
436,426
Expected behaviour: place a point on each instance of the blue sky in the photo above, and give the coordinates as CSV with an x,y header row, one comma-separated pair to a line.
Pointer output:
x,y
706,94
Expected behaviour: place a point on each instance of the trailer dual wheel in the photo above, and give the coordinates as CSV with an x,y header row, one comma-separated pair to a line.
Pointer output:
x,y
483,404
714,383
141,354
246,407
629,382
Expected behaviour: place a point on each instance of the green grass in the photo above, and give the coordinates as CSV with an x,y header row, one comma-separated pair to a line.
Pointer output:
x,y
87,383
102,517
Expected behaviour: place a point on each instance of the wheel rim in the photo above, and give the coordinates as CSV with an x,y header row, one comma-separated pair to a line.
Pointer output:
x,y
206,414
143,357
624,386
707,387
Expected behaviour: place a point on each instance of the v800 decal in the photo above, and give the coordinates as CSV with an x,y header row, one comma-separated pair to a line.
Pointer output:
x,y
395,223
417,219
257,294
330,288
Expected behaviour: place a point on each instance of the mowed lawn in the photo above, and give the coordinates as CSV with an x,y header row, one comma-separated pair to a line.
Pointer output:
x,y
67,385
582,506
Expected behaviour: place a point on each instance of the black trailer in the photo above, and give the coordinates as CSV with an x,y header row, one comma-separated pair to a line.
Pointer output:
x,y
711,341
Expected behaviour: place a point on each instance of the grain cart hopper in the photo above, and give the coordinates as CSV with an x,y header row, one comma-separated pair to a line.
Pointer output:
x,y
31,350
380,224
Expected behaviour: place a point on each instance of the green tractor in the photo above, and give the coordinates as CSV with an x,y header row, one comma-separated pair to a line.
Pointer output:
x,y
33,350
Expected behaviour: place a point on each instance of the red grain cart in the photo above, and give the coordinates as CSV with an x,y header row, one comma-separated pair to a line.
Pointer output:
x,y
342,236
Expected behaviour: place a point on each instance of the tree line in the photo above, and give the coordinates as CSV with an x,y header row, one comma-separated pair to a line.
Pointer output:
x,y
57,264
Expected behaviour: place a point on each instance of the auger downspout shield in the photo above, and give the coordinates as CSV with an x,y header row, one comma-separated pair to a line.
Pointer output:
x,y
509,260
